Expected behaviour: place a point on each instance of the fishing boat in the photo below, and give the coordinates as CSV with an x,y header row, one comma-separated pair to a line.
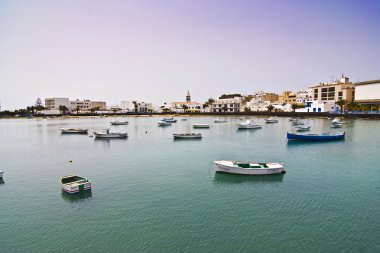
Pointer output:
x,y
172,120
249,124
201,126
187,136
1,173
248,168
316,137
107,134
220,121
271,120
297,122
73,184
336,125
163,123
74,130
184,119
303,128
294,119
118,123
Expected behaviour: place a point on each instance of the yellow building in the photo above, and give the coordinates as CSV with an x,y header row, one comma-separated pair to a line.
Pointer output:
x,y
335,91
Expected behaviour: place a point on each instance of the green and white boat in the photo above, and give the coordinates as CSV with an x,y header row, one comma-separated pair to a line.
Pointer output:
x,y
73,184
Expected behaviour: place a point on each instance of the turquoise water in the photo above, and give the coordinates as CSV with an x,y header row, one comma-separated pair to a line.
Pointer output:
x,y
153,194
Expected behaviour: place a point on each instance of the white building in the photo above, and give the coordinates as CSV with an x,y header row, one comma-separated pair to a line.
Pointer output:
x,y
282,107
318,106
54,103
82,105
258,103
368,92
181,107
227,105
135,106
304,95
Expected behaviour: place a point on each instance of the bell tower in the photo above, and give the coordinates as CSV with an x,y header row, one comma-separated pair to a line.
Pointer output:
x,y
188,98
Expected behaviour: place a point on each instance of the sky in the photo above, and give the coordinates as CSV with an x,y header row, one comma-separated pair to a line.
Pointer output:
x,y
156,50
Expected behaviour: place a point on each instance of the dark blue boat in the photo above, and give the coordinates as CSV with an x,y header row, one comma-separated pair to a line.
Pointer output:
x,y
316,137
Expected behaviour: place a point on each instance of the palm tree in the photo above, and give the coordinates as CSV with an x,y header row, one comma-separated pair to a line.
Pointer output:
x,y
294,107
341,103
185,107
224,108
63,109
77,110
270,108
353,106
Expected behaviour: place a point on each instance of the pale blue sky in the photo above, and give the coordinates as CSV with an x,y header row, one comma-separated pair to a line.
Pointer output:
x,y
156,50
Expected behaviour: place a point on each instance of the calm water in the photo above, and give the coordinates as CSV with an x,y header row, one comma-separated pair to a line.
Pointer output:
x,y
153,194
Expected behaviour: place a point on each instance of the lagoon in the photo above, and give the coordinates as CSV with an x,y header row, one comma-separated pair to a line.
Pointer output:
x,y
153,194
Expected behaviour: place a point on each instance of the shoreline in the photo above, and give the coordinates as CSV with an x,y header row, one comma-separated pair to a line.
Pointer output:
x,y
172,114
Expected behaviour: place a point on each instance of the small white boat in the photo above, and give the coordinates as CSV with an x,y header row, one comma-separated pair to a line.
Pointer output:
x,y
220,121
184,119
163,123
107,134
249,168
294,119
187,136
248,125
271,120
201,126
336,125
118,123
74,130
1,173
172,120
73,184
303,128
298,123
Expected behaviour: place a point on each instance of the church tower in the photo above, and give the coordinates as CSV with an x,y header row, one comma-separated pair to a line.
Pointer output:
x,y
188,98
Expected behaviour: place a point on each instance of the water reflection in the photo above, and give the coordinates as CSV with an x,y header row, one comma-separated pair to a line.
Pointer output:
x,y
1,180
75,197
225,178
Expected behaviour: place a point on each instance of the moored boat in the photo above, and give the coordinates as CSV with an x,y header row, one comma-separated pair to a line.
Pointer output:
x,y
271,120
1,173
107,134
220,121
187,136
249,124
201,126
74,130
73,184
248,168
163,123
316,137
336,125
172,120
118,123
303,128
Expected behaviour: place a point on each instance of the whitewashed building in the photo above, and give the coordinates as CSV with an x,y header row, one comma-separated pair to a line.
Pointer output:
x,y
318,106
181,107
54,103
368,92
135,106
303,96
227,105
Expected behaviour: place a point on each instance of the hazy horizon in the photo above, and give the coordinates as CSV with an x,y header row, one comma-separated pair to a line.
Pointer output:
x,y
154,51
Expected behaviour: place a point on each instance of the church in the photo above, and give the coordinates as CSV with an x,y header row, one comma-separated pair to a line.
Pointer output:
x,y
188,106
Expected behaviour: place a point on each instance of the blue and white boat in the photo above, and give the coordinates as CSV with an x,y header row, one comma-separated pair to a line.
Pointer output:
x,y
172,120
316,137
164,123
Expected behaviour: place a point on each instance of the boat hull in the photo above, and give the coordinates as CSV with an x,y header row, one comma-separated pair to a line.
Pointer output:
x,y
201,126
74,131
182,136
110,136
249,127
250,171
1,173
119,123
315,137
